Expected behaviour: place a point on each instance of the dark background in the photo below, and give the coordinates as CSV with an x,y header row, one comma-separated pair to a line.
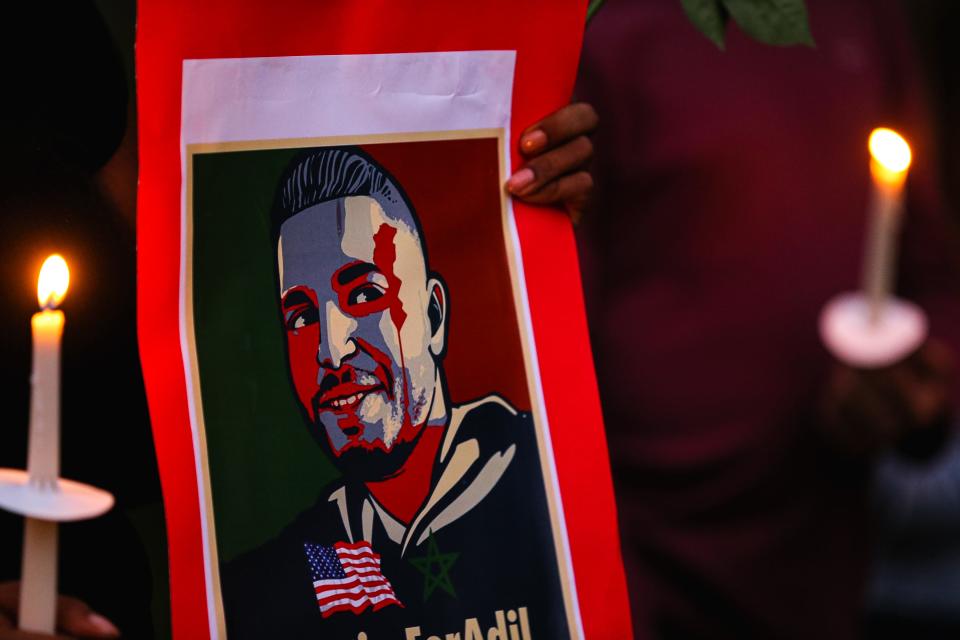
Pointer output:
x,y
68,183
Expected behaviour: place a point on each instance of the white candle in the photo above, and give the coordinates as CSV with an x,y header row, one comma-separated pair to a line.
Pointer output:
x,y
38,591
38,582
43,460
890,161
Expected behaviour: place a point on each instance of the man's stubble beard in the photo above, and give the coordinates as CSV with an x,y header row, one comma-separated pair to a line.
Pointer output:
x,y
372,465
363,462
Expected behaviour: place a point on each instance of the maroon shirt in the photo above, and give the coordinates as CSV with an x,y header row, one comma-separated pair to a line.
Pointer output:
x,y
733,191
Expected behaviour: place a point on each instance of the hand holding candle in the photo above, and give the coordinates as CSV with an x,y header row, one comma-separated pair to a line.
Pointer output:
x,y
39,575
40,494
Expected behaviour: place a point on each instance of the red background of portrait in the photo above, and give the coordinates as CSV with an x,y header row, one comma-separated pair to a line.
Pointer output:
x,y
546,35
448,182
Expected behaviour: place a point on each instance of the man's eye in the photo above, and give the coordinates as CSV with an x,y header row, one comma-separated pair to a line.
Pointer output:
x,y
300,318
365,293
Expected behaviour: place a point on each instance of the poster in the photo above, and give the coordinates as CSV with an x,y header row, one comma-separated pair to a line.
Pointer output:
x,y
368,439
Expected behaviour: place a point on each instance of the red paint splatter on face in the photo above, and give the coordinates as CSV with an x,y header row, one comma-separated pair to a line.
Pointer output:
x,y
404,493
385,257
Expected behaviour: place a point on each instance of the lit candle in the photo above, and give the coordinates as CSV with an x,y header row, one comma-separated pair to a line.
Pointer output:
x,y
43,461
890,161
38,595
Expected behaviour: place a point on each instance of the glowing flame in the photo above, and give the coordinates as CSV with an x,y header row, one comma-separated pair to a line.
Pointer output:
x,y
891,155
53,281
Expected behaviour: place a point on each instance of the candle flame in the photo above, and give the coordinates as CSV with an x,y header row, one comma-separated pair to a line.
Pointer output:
x,y
891,155
53,281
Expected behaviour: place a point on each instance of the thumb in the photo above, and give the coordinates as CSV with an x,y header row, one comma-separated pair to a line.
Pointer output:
x,y
5,621
76,618
8,631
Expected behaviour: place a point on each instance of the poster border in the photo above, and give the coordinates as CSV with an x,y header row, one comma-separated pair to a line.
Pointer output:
x,y
548,471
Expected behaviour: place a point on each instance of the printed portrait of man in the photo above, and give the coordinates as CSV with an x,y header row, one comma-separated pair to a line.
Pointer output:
x,y
440,514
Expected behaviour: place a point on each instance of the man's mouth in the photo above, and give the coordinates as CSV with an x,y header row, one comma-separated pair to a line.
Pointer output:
x,y
346,396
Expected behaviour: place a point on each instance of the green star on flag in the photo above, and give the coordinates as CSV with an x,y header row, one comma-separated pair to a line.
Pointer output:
x,y
439,577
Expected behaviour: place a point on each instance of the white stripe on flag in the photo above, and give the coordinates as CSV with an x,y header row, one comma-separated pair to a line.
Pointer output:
x,y
356,552
350,570
356,590
351,578
360,560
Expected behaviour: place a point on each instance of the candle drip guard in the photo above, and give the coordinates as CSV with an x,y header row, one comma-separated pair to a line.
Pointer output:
x,y
856,339
54,500
45,501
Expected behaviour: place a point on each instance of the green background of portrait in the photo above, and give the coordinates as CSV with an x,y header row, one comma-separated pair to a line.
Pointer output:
x,y
256,438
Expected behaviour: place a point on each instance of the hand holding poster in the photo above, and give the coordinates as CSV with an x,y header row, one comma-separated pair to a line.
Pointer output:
x,y
361,395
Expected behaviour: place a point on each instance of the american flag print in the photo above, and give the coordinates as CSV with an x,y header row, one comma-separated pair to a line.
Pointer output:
x,y
347,577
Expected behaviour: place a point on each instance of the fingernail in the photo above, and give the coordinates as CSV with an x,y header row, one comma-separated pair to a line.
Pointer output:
x,y
533,141
102,625
519,180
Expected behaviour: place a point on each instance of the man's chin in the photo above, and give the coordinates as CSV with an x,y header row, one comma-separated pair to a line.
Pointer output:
x,y
364,461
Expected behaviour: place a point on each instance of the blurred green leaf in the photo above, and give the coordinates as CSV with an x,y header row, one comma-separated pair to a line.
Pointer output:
x,y
777,22
592,9
708,16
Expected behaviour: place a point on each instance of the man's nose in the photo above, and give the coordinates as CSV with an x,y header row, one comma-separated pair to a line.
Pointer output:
x,y
338,344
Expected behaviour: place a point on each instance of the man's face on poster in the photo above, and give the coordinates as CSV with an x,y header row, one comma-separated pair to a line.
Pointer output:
x,y
362,349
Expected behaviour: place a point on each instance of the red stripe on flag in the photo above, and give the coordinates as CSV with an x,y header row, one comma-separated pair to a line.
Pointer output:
x,y
359,608
354,584
356,596
352,545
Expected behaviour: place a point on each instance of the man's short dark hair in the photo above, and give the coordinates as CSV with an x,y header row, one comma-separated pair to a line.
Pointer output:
x,y
330,173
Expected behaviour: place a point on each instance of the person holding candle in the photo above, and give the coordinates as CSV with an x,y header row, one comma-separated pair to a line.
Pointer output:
x,y
732,198
63,118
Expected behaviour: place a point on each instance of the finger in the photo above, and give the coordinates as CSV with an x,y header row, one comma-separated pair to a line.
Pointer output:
x,y
861,418
573,190
541,170
935,359
9,632
69,614
880,399
577,200
894,383
9,596
924,400
564,124
74,616
578,205
917,387
17,634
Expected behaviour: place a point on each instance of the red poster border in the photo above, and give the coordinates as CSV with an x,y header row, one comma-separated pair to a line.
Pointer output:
x,y
546,35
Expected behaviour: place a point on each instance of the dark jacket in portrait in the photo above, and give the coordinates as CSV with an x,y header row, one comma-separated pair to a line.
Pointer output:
x,y
482,543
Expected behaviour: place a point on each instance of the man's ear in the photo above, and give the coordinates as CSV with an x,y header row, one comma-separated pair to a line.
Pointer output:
x,y
437,314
